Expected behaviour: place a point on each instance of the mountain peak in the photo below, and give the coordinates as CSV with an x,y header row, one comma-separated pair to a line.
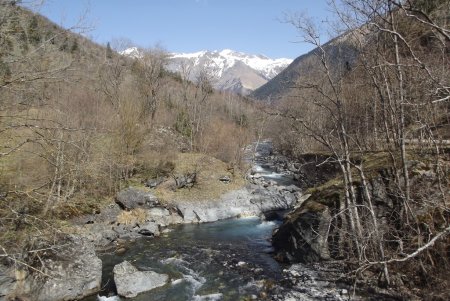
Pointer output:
x,y
227,52
133,52
234,71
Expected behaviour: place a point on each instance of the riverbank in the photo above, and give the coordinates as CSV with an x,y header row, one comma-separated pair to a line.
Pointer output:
x,y
143,212
140,219
318,232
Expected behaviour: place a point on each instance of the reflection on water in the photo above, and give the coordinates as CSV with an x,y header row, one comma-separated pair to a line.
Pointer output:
x,y
215,261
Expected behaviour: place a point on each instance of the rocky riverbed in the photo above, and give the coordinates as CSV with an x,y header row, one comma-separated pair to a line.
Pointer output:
x,y
137,214
141,238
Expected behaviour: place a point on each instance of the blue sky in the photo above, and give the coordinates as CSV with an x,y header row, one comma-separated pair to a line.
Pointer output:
x,y
252,26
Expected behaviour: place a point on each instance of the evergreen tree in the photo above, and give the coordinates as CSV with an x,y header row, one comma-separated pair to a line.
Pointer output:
x,y
33,32
74,47
109,52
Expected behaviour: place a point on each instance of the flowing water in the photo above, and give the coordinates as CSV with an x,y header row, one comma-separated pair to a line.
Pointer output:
x,y
268,173
223,260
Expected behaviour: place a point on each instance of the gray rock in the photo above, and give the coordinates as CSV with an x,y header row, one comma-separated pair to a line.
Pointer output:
x,y
292,167
302,199
132,198
160,215
149,229
270,201
75,272
292,188
303,238
243,202
307,283
153,183
225,179
188,211
130,281
100,234
7,282
120,251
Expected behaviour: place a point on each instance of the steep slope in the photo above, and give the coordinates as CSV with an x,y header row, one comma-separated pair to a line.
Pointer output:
x,y
341,52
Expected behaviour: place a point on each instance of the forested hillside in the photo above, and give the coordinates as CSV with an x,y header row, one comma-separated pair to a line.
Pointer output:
x,y
383,120
78,122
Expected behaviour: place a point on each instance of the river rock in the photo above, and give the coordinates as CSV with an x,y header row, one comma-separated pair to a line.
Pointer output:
x,y
271,200
303,235
309,283
163,216
100,234
130,281
149,229
132,198
75,272
243,202
291,188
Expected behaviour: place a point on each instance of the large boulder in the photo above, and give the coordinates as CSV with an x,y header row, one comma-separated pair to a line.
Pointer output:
x,y
243,202
130,281
271,199
149,229
74,271
303,235
132,198
164,216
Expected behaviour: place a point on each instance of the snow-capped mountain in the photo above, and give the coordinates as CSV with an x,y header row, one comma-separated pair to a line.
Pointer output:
x,y
133,52
229,70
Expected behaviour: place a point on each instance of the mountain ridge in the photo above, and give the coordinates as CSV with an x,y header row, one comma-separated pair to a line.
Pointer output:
x,y
342,53
229,70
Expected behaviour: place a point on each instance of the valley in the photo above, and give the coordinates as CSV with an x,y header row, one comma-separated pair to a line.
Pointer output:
x,y
140,173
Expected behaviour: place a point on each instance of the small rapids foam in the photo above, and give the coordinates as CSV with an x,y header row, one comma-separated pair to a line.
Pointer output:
x,y
274,175
177,281
266,224
194,280
210,297
258,168
175,261
111,298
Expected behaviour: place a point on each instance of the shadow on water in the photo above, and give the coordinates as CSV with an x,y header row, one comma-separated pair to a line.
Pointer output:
x,y
215,261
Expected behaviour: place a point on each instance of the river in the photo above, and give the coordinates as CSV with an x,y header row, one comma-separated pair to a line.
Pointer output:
x,y
224,260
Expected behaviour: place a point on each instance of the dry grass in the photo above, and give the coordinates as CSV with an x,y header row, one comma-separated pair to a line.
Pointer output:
x,y
208,186
135,216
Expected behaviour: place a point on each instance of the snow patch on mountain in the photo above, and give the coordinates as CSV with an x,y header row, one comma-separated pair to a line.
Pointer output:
x,y
230,70
227,58
133,52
